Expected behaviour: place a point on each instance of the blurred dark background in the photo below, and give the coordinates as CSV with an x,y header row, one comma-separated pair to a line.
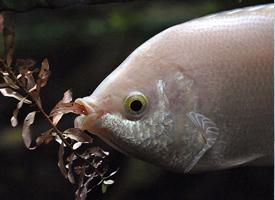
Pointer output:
x,y
83,45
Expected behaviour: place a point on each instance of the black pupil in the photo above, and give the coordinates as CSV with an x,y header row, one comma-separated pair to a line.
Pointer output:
x,y
136,105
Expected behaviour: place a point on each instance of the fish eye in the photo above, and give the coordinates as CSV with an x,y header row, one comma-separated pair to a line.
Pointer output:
x,y
135,103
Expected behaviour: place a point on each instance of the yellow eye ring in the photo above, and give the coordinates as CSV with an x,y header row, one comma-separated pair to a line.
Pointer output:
x,y
135,103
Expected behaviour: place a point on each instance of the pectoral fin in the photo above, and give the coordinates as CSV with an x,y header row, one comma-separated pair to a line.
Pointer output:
x,y
210,133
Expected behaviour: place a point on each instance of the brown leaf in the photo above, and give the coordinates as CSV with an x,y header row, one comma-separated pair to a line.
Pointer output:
x,y
70,176
113,173
45,137
73,108
81,193
77,145
57,138
109,182
56,118
7,92
70,160
65,106
95,151
33,88
61,161
82,190
44,69
3,85
79,170
26,132
10,82
8,44
30,82
34,93
25,65
44,73
56,112
14,121
78,135
27,81
26,77
67,97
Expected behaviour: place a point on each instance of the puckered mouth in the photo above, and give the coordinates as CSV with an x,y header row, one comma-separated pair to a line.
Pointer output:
x,y
86,122
90,123
87,103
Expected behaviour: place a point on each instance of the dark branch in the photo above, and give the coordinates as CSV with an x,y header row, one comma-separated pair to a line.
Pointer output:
x,y
24,5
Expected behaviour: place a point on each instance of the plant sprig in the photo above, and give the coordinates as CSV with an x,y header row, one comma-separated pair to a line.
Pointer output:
x,y
86,165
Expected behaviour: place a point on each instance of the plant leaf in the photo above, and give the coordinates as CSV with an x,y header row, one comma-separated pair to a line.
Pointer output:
x,y
81,193
7,92
44,73
70,160
45,137
113,173
34,93
57,118
65,106
82,190
14,121
67,97
24,66
56,113
78,135
30,82
10,82
26,132
57,138
108,182
61,161
76,145
95,151
4,85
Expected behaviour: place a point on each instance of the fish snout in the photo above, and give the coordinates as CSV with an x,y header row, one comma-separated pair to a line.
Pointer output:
x,y
87,122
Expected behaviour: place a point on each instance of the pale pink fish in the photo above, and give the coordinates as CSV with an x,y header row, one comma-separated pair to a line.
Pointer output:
x,y
197,95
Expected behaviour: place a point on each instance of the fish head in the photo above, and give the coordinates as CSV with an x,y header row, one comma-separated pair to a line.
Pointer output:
x,y
136,109
124,109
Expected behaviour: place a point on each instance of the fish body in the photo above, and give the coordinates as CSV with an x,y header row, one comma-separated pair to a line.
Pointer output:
x,y
206,87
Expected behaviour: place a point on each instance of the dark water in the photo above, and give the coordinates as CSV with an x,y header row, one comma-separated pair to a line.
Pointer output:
x,y
83,45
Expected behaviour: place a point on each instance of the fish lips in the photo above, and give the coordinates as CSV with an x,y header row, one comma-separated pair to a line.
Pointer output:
x,y
87,122
92,123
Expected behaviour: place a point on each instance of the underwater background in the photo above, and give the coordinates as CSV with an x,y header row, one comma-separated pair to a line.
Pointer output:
x,y
83,45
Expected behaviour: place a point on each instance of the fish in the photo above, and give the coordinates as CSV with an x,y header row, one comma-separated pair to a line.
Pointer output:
x,y
196,97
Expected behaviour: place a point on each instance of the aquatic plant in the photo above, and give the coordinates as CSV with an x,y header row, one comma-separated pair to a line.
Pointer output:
x,y
79,160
